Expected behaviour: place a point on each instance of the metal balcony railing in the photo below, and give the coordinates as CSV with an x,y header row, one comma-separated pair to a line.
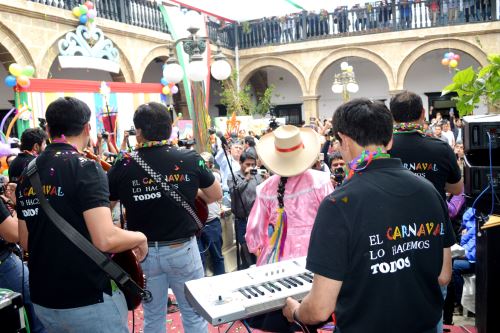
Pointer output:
x,y
372,18
141,13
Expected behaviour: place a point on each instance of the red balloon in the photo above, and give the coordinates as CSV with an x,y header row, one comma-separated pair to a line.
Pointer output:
x,y
456,57
170,85
89,5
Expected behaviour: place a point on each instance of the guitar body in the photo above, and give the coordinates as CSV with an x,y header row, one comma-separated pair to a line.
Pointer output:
x,y
201,209
128,262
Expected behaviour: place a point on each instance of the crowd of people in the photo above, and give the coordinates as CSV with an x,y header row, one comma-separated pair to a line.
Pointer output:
x,y
347,192
360,17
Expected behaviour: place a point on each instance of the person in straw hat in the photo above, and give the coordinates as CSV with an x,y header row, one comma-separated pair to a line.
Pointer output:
x,y
281,219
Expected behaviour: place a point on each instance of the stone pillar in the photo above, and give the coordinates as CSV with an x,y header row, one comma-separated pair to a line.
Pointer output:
x,y
311,107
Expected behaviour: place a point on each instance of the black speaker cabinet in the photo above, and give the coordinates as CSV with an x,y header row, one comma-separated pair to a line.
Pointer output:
x,y
487,280
475,129
477,173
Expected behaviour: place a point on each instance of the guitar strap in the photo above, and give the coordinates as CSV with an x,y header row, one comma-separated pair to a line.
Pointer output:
x,y
113,270
169,191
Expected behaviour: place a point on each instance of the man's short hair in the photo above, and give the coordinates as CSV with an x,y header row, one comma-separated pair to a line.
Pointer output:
x,y
154,121
247,156
335,156
250,141
406,107
67,116
31,136
364,121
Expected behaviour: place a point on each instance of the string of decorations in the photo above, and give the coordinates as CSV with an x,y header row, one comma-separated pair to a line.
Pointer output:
x,y
361,162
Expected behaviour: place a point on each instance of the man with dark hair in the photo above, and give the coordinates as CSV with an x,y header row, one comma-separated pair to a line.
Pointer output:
x,y
377,256
242,198
250,145
69,291
428,157
174,256
32,144
337,171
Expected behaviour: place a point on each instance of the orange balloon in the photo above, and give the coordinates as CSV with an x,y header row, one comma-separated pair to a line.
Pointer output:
x,y
445,61
23,81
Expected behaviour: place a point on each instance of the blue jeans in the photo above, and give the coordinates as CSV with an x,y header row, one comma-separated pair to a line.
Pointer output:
x,y
461,266
11,274
172,266
108,316
439,328
211,240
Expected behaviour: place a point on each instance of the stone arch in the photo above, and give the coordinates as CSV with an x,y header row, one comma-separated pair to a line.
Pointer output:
x,y
126,73
357,52
156,52
14,50
446,43
247,71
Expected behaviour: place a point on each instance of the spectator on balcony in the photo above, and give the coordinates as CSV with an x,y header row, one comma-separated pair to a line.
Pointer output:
x,y
453,10
405,13
444,12
469,10
434,11
385,11
340,18
323,22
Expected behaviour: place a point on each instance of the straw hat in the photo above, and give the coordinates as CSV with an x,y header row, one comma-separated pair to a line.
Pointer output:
x,y
289,151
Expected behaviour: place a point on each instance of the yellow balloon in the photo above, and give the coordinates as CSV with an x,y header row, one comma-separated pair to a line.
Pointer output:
x,y
15,69
453,63
76,12
166,90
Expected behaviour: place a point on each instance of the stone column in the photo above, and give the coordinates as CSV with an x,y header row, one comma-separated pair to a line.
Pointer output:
x,y
311,107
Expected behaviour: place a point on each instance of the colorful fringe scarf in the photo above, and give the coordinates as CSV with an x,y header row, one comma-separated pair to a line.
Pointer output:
x,y
277,241
408,128
362,161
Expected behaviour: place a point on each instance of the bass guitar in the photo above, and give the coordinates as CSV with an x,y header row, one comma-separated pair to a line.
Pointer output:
x,y
126,259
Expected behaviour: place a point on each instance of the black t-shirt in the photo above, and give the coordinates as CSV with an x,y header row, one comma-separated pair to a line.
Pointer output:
x,y
382,233
428,157
4,213
147,209
61,275
18,165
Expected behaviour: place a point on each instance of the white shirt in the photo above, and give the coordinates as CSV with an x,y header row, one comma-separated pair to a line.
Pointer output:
x,y
449,136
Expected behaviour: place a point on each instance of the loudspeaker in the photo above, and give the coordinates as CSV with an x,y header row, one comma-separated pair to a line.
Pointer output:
x,y
475,129
12,312
477,173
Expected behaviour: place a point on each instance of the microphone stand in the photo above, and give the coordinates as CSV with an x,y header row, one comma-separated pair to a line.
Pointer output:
x,y
238,257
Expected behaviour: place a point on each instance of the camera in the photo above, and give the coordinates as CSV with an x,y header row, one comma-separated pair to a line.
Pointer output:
x,y
273,124
253,172
330,133
131,131
339,174
186,143
105,135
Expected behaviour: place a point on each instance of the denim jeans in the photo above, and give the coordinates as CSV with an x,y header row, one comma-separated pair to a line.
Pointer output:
x,y
211,241
11,274
461,266
439,328
105,317
172,266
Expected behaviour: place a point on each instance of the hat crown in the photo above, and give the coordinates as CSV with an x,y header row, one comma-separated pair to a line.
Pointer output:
x,y
286,137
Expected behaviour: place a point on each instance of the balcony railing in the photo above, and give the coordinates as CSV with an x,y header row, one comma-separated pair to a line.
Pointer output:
x,y
141,13
341,22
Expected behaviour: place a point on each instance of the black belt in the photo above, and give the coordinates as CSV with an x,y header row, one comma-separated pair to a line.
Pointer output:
x,y
169,243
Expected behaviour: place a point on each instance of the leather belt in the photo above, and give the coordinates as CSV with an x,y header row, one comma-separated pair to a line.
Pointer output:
x,y
169,243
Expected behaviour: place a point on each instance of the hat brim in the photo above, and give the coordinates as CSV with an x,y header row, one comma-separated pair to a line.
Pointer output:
x,y
291,163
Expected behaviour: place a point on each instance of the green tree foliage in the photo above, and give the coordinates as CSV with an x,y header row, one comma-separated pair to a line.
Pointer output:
x,y
240,102
471,86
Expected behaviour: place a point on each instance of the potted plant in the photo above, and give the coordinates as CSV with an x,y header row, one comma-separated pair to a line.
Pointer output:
x,y
472,86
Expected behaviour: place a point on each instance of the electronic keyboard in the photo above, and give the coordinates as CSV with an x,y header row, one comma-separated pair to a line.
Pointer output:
x,y
246,293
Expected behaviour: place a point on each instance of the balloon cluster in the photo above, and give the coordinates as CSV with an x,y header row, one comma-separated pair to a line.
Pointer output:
x,y
19,76
168,88
450,59
86,12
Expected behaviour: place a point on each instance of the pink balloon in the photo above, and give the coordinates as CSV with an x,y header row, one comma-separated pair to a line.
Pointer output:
x,y
174,90
456,57
92,13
